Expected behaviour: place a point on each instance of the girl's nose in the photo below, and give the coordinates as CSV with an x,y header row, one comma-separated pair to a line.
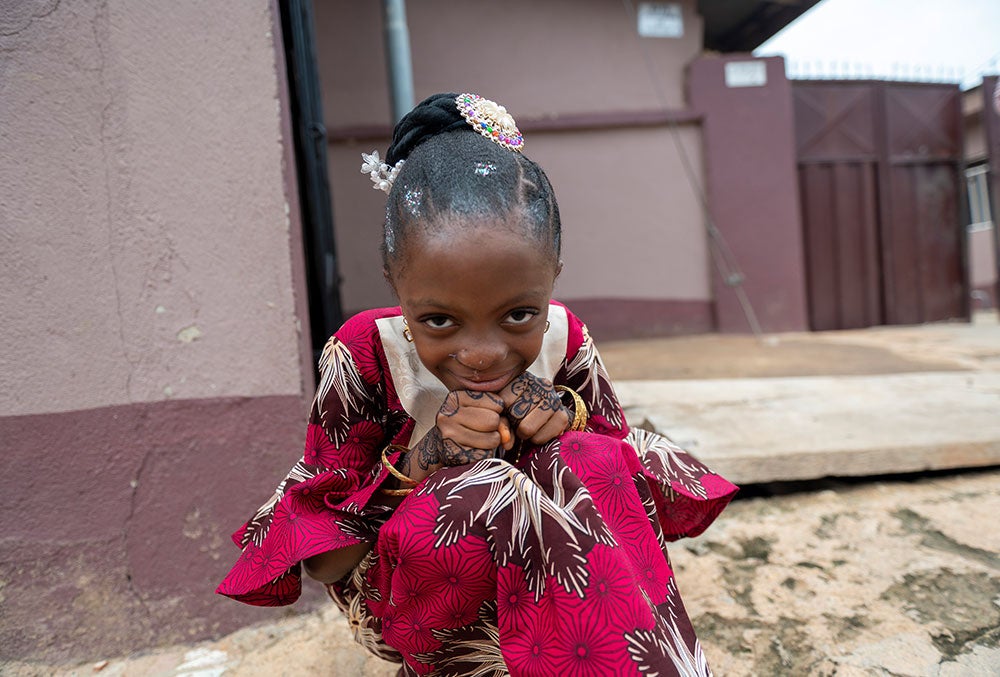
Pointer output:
x,y
482,355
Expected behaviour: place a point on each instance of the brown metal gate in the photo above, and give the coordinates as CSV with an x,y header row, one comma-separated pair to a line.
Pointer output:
x,y
880,183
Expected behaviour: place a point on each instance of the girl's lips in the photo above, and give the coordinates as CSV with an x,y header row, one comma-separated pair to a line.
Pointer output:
x,y
491,384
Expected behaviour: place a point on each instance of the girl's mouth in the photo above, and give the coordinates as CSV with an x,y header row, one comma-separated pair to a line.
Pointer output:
x,y
489,383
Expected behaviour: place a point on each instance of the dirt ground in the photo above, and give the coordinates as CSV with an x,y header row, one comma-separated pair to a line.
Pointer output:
x,y
877,576
878,350
891,577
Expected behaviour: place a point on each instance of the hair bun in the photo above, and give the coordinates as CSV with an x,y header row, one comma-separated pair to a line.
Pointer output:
x,y
434,115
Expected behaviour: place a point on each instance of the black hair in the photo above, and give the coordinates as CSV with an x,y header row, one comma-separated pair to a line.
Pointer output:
x,y
451,170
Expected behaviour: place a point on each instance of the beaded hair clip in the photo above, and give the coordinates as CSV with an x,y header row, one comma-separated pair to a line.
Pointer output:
x,y
486,117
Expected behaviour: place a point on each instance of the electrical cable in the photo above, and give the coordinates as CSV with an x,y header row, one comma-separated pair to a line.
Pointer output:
x,y
722,255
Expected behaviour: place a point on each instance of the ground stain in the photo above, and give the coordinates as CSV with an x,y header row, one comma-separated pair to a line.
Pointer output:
x,y
932,538
963,603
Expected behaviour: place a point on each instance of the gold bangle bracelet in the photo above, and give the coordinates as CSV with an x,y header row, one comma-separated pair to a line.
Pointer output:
x,y
396,492
392,470
579,409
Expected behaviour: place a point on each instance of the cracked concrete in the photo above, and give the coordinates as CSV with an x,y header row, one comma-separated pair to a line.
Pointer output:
x,y
99,27
848,579
18,15
135,485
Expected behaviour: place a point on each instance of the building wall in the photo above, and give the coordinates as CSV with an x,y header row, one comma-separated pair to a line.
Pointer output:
x,y
753,191
574,74
982,144
974,136
152,378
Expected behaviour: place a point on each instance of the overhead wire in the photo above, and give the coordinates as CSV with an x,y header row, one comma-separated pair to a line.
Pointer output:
x,y
722,255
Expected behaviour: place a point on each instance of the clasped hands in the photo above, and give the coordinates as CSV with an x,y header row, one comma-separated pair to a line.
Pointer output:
x,y
475,425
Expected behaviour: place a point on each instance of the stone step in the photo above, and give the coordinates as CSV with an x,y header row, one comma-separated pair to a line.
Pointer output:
x,y
754,430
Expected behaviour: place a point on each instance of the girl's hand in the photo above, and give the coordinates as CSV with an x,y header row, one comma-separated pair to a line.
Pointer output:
x,y
535,409
470,425
469,428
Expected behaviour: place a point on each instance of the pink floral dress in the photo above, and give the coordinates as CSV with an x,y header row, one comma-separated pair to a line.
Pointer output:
x,y
551,561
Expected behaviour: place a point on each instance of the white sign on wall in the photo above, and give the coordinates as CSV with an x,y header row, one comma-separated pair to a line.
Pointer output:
x,y
661,20
746,74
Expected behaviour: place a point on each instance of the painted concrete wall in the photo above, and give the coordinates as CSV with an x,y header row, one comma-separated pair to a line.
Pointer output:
x,y
980,117
635,252
982,261
151,375
974,132
752,186
991,121
144,196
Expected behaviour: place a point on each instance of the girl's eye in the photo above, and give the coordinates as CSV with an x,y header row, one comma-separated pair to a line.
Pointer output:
x,y
521,316
438,322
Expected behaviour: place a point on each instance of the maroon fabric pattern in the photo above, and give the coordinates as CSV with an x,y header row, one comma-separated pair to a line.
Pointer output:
x,y
550,561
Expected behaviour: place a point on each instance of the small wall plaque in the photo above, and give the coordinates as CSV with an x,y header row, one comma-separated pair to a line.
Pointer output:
x,y
661,20
746,74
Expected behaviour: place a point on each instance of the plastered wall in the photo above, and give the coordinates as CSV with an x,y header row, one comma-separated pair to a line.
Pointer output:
x,y
152,378
633,226
145,227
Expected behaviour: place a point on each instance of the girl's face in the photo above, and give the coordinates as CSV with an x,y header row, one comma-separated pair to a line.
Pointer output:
x,y
476,300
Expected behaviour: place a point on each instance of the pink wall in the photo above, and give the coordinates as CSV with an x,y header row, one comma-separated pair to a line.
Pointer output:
x,y
986,244
980,244
146,194
151,378
634,245
974,133
752,186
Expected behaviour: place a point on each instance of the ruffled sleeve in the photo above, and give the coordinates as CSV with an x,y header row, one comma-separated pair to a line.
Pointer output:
x,y
584,372
688,496
329,499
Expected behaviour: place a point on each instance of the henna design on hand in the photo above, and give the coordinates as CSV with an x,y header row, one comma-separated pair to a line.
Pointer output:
x,y
426,454
450,405
429,449
477,395
532,393
453,453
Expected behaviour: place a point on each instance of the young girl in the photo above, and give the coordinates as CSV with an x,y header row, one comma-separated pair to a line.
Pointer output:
x,y
470,493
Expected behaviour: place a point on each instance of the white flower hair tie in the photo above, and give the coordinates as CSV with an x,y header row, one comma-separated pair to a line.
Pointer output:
x,y
382,175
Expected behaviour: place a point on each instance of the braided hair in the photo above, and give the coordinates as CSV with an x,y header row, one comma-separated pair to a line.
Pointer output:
x,y
453,171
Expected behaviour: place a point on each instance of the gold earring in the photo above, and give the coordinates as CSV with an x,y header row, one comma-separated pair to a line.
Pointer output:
x,y
406,332
546,327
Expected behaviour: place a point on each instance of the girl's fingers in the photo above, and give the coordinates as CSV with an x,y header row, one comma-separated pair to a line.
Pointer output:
x,y
553,428
479,420
473,418
477,440
542,425
460,400
472,429
479,400
506,438
531,424
470,448
526,393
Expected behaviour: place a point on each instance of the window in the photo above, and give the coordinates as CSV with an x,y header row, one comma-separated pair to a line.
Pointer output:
x,y
979,197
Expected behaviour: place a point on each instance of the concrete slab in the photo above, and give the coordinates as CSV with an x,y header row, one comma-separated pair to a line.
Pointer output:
x,y
855,580
766,429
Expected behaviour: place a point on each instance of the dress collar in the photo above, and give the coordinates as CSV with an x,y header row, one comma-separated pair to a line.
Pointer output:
x,y
421,393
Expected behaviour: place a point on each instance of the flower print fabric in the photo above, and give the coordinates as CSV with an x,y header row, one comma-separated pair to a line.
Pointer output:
x,y
551,561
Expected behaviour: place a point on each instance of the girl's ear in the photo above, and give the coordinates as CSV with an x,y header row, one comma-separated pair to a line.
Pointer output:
x,y
388,278
559,267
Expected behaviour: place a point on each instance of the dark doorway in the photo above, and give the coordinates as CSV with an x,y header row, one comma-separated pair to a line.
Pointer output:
x,y
322,276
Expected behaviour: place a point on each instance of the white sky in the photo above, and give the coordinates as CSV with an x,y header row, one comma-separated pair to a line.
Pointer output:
x,y
950,40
